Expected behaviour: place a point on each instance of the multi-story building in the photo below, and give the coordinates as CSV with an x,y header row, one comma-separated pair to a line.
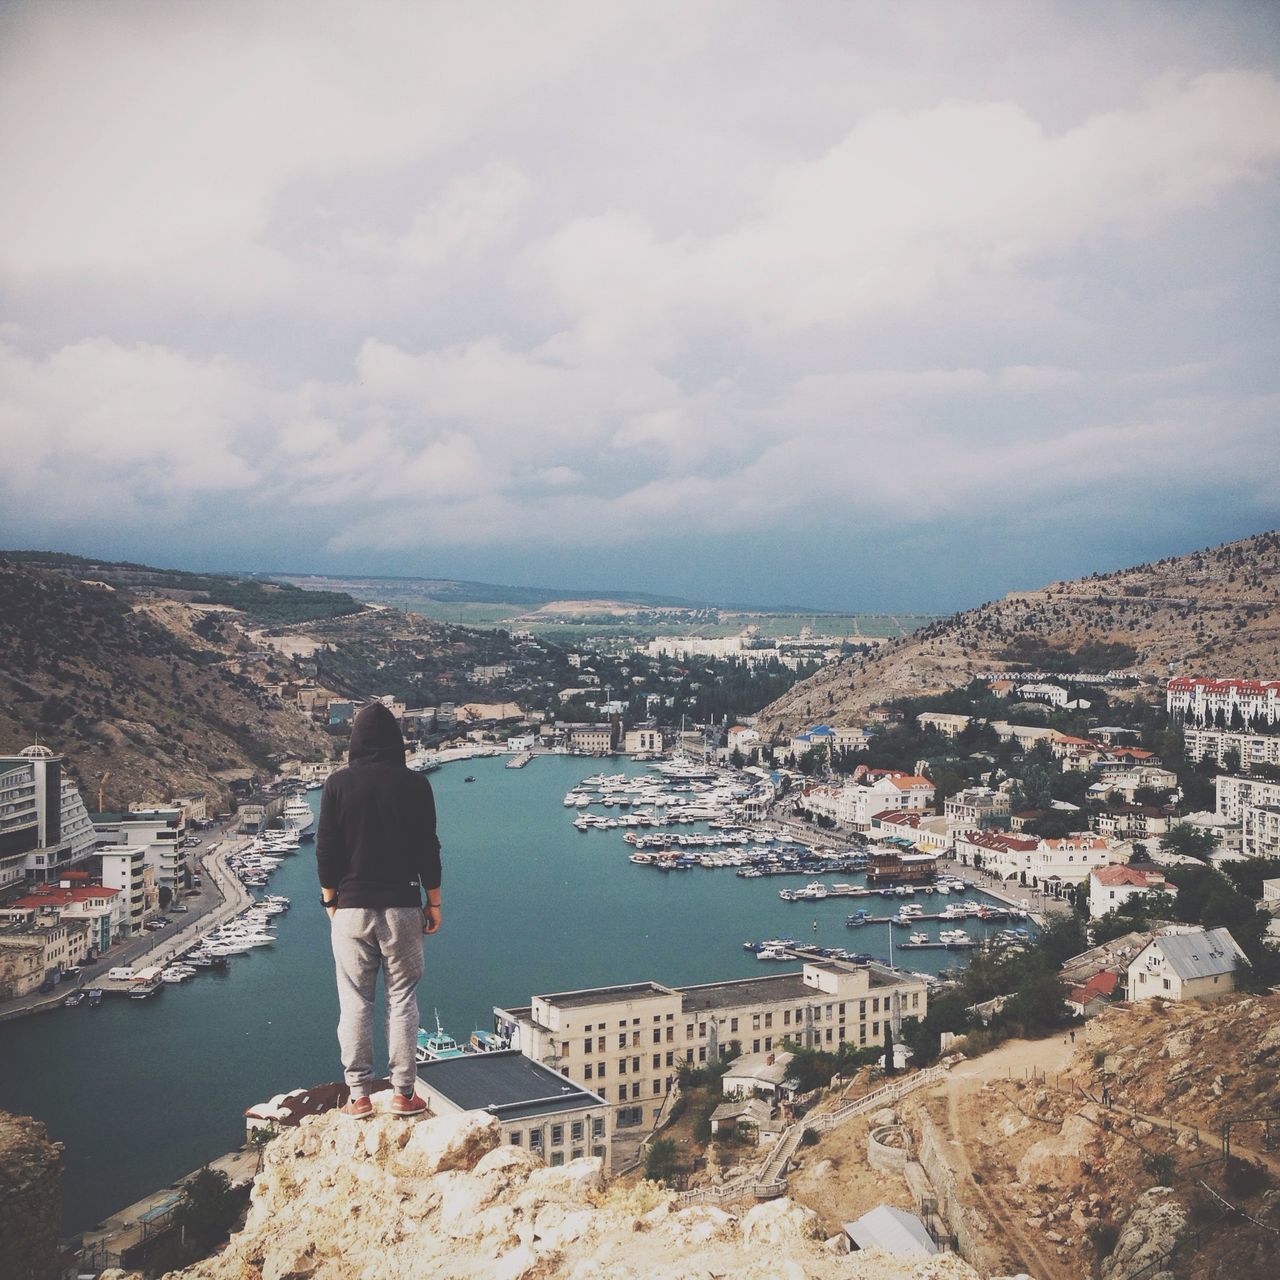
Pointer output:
x,y
44,827
1131,822
998,851
1217,744
30,953
592,739
157,832
124,868
1225,703
923,831
1260,831
643,739
532,1103
1234,795
877,791
93,906
628,1042
1111,887
951,726
976,809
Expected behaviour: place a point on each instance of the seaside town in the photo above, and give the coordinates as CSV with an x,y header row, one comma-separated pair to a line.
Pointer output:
x,y
1067,844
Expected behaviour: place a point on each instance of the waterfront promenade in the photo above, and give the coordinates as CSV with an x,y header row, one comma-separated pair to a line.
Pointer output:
x,y
221,897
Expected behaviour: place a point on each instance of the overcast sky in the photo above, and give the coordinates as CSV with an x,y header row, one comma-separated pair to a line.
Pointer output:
x,y
852,305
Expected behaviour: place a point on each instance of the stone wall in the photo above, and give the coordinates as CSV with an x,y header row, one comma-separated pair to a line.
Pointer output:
x,y
30,1199
931,1153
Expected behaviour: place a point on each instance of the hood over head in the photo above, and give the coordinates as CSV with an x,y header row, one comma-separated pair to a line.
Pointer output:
x,y
375,736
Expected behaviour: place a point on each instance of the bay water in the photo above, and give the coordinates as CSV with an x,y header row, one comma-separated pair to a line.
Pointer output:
x,y
143,1092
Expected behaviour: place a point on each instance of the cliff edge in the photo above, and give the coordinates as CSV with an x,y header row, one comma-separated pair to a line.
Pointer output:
x,y
339,1199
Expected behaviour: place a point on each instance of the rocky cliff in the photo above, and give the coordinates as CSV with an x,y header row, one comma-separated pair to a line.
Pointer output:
x,y
30,1199
339,1199
1215,613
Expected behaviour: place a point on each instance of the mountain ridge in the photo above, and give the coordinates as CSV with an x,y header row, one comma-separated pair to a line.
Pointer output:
x,y
1213,612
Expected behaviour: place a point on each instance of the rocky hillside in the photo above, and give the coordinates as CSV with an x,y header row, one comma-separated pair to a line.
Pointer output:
x,y
442,1199
1214,612
119,687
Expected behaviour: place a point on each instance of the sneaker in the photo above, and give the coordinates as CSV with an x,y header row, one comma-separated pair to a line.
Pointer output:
x,y
411,1106
360,1108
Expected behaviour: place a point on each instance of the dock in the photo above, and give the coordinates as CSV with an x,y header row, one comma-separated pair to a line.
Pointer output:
x,y
519,762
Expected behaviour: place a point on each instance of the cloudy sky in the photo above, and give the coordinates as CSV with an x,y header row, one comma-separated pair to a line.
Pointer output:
x,y
852,305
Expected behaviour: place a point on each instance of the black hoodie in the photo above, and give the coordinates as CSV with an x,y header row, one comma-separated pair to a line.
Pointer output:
x,y
377,837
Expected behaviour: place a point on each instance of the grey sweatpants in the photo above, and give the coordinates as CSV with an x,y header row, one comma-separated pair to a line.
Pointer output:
x,y
367,939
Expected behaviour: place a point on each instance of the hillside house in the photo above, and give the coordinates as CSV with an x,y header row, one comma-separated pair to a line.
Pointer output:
x,y
1197,964
1111,887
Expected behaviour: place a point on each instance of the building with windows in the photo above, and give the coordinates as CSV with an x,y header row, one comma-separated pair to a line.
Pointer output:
x,y
643,739
1193,964
1234,795
124,868
93,907
976,809
1217,744
1111,887
628,1042
536,1107
878,791
592,739
157,832
1260,831
30,953
1226,704
44,826
943,722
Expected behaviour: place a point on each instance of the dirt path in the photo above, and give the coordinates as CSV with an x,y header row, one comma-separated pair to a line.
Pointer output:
x,y
1016,1243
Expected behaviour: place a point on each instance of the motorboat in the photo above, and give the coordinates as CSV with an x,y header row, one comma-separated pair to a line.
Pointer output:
x,y
438,1045
75,998
919,938
95,997
297,817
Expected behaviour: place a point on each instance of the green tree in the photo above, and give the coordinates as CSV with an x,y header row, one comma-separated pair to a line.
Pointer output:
x,y
660,1161
1189,841
207,1211
890,1068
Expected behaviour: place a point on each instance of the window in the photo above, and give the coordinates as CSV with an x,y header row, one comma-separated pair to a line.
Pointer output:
x,y
622,1066
657,1060
635,1038
768,1043
575,1131
635,1089
671,1034
557,1158
599,1070
702,1053
733,1025
828,1035
657,1086
515,1137
622,1041
586,1045
657,1035
635,1064
635,1022
702,1028
786,1017
768,1019
622,1024
600,1044
557,1135
875,1004
535,1139
755,1022
875,1028
688,1032
586,1071
597,1127
670,1058
755,1045
915,999
575,1154
622,1093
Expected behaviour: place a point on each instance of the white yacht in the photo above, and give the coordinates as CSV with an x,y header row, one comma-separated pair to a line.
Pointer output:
x,y
298,817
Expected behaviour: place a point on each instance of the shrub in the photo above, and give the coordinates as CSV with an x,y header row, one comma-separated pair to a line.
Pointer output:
x,y
1245,1177
660,1160
1159,1164
809,1138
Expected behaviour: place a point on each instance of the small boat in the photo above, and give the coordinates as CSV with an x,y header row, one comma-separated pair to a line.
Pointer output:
x,y
434,1047
918,938
486,1042
75,998
469,778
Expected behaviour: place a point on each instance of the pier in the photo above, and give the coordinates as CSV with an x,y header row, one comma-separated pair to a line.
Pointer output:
x,y
519,762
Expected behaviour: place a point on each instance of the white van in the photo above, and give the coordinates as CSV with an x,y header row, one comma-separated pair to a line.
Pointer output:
x,y
120,974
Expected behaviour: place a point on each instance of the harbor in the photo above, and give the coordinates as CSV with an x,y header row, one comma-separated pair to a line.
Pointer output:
x,y
531,905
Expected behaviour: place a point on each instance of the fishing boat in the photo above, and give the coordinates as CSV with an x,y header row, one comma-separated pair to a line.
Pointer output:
x,y
95,997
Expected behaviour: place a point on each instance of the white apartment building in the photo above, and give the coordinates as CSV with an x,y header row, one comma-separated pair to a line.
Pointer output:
x,y
944,722
1260,831
1047,863
627,1042
1234,795
997,851
860,801
643,739
44,826
1209,702
124,868
1216,744
157,832
1024,735
1187,965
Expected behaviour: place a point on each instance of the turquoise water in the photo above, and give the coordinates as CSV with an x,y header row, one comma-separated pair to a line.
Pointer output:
x,y
142,1092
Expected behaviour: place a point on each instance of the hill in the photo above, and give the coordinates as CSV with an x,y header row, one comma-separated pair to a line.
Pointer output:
x,y
1214,612
125,685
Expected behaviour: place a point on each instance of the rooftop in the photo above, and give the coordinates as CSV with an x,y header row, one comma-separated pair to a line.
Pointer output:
x,y
505,1083
606,995
1200,953
893,1230
740,991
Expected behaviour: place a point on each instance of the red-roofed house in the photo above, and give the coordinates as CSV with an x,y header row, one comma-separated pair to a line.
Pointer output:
x,y
1086,999
877,790
1112,886
94,907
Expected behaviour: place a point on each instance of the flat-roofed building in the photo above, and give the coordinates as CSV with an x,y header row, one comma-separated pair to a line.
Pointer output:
x,y
44,827
628,1042
1235,795
976,809
536,1107
1217,744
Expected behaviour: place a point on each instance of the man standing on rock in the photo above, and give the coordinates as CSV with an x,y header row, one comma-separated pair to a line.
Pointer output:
x,y
376,849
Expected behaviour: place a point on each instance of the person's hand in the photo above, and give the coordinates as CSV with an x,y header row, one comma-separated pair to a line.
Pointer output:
x,y
430,918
